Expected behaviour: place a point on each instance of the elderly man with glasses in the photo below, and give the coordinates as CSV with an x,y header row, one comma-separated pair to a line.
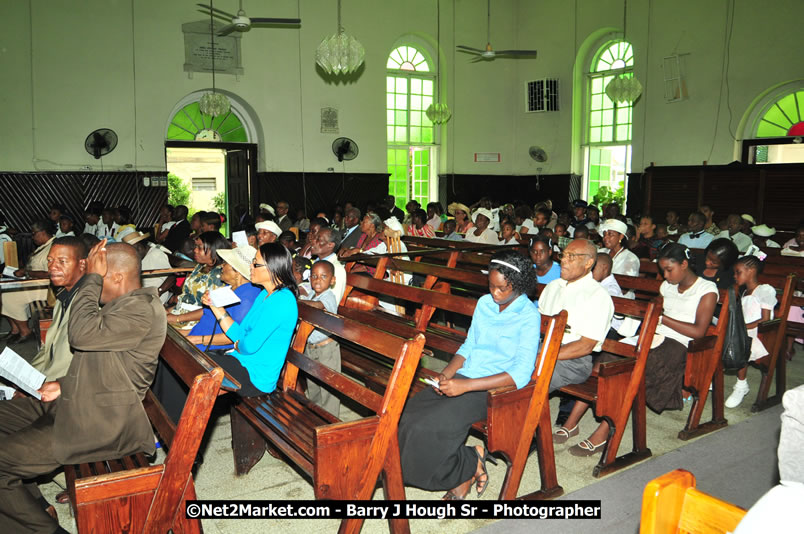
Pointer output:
x,y
589,308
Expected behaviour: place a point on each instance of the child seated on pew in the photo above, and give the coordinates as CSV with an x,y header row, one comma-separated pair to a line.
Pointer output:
x,y
320,347
508,235
758,301
688,306
301,267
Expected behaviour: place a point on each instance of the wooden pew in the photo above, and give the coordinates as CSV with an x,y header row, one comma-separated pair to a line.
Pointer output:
x,y
343,459
671,504
129,495
513,415
704,366
618,387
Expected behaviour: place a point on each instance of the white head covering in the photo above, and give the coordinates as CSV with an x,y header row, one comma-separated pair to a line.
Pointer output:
x,y
483,211
393,224
268,208
271,226
615,225
239,258
748,218
763,230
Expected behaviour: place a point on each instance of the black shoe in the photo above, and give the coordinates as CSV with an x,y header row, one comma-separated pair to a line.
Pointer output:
x,y
20,339
12,338
8,335
561,418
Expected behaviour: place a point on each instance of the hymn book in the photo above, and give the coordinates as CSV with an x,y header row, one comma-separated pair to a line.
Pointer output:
x,y
20,373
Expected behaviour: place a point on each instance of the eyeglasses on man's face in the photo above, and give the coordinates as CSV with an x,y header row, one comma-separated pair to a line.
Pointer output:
x,y
571,256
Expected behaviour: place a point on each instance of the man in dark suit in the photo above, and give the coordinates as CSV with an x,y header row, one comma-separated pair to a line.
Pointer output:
x,y
351,232
179,231
94,412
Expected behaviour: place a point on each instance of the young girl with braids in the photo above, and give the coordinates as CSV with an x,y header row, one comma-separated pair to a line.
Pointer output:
x,y
758,301
500,350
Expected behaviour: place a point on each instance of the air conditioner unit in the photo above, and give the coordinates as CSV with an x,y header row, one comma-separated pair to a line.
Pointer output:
x,y
541,95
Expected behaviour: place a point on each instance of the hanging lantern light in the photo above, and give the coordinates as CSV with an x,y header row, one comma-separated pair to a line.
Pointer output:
x,y
213,104
624,88
340,53
438,112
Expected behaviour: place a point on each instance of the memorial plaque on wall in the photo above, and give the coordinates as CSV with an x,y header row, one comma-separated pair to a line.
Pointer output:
x,y
198,49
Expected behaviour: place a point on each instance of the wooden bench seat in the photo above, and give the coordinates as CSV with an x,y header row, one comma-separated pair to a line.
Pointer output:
x,y
130,495
618,387
671,504
343,459
513,415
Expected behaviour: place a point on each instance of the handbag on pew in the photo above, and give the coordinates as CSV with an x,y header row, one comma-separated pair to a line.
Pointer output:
x,y
737,344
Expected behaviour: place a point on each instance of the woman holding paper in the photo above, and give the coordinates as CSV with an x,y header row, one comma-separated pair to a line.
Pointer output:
x,y
205,276
500,350
262,338
207,335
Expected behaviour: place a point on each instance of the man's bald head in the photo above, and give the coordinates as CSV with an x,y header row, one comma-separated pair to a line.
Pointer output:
x,y
602,267
578,259
123,258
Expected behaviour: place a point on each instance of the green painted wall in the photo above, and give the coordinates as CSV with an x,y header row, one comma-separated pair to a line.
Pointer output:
x,y
70,67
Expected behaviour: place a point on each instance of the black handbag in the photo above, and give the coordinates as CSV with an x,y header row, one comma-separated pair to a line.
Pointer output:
x,y
737,343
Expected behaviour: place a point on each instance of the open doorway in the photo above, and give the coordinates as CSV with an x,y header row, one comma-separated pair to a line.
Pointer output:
x,y
211,177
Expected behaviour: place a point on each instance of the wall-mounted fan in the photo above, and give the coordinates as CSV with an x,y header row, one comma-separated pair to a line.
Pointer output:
x,y
100,142
344,149
538,154
241,22
489,52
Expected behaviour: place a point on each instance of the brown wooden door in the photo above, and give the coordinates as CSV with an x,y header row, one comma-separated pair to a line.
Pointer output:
x,y
241,172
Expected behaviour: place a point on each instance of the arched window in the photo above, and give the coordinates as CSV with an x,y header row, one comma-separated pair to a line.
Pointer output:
x,y
608,123
784,117
189,124
412,156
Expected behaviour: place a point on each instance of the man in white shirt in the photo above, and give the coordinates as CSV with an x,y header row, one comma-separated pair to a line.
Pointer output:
x,y
324,246
697,237
735,223
589,309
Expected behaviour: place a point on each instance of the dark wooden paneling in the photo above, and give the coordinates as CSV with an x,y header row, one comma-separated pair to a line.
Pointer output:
x,y
28,196
773,194
469,188
323,191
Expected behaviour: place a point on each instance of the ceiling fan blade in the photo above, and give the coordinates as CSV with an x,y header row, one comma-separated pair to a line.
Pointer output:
x,y
264,20
462,47
215,9
517,52
216,15
226,30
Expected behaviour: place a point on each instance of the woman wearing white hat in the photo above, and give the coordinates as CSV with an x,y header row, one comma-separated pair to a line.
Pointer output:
x,y
761,236
623,260
481,233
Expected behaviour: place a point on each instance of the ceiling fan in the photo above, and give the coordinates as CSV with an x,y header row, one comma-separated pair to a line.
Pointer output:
x,y
489,52
241,22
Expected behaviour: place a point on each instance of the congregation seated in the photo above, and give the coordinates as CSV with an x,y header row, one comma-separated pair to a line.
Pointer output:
x,y
541,254
152,257
646,242
14,304
205,276
719,258
179,231
736,234
481,232
419,226
697,237
674,227
461,213
624,261
451,230
500,350
688,306
435,215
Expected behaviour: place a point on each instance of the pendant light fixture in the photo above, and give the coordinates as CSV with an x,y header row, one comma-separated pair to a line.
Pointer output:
x,y
624,88
213,104
341,53
438,112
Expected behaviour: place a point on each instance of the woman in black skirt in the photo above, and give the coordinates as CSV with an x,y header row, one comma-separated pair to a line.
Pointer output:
x,y
688,305
500,350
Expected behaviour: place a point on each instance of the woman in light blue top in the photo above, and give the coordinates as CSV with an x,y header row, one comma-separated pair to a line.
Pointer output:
x,y
541,252
262,339
500,350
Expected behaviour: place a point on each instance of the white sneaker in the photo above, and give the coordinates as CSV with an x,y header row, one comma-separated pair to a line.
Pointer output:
x,y
736,397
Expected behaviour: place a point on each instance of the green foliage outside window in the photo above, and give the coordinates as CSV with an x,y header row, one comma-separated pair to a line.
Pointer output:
x,y
178,191
606,196
219,201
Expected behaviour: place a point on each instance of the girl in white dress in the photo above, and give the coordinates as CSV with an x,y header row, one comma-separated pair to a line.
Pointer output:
x,y
758,301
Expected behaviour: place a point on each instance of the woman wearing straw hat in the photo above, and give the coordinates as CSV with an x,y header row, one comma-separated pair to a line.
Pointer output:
x,y
481,232
461,213
761,235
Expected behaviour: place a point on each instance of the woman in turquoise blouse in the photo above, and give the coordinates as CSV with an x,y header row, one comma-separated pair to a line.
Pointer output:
x,y
262,339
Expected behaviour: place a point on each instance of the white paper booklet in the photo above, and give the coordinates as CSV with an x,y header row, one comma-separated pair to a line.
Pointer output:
x,y
8,272
20,373
239,238
657,340
223,296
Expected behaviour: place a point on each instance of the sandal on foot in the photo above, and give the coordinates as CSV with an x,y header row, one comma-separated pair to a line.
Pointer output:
x,y
563,434
585,448
482,483
451,496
